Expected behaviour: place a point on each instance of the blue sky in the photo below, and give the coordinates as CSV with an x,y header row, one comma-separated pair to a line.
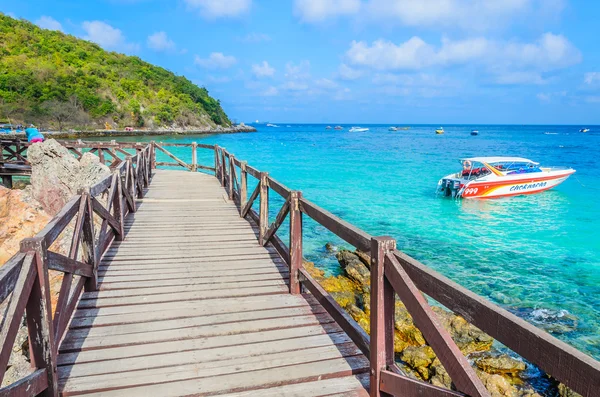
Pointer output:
x,y
360,61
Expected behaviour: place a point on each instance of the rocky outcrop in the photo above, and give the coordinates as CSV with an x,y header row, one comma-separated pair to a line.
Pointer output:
x,y
56,175
20,217
500,373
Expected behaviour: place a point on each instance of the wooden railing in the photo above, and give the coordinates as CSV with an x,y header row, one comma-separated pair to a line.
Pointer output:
x,y
98,214
394,273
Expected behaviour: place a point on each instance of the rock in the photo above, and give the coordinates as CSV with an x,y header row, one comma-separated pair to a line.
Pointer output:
x,y
419,359
364,257
330,247
355,269
56,175
501,365
439,375
359,316
312,270
467,337
564,391
20,217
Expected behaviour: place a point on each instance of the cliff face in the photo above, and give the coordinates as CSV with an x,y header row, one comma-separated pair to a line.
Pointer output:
x,y
60,81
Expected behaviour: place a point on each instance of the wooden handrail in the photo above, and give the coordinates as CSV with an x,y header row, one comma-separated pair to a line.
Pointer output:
x,y
566,364
25,276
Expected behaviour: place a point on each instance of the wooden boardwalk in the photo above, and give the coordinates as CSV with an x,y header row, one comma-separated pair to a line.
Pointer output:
x,y
190,304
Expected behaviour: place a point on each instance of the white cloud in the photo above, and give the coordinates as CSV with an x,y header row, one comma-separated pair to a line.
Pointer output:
x,y
462,14
263,70
271,91
46,22
297,72
107,36
549,52
591,78
216,60
514,78
220,8
295,86
159,41
326,84
550,96
320,10
255,38
219,79
413,80
345,72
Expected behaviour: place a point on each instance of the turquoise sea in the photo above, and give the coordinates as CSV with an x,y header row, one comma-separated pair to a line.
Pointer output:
x,y
538,256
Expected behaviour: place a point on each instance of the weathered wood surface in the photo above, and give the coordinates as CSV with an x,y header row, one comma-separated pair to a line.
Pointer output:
x,y
189,303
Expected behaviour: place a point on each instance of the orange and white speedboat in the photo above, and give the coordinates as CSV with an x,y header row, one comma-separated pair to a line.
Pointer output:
x,y
493,177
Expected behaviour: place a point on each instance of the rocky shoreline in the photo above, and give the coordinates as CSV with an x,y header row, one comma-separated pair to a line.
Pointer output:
x,y
503,374
241,128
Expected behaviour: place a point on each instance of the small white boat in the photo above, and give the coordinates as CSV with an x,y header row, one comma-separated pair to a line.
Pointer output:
x,y
475,132
440,131
272,125
494,177
328,127
584,130
358,129
393,129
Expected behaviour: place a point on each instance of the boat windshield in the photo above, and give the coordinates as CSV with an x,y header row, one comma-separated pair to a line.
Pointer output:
x,y
475,169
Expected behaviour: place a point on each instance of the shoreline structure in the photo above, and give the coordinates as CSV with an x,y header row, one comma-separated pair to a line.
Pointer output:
x,y
241,128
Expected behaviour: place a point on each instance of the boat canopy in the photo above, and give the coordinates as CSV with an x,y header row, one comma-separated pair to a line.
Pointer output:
x,y
499,159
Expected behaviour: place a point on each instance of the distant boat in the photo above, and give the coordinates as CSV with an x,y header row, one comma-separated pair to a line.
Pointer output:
x,y
440,131
393,129
584,130
338,127
272,125
550,133
358,129
328,127
474,132
256,121
404,128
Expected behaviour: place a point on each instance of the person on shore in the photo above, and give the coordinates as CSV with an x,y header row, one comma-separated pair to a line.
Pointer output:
x,y
34,135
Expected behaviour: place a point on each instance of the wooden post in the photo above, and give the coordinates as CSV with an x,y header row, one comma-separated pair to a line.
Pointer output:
x,y
230,180
39,317
382,314
222,166
243,185
101,155
194,157
217,162
263,216
153,155
89,254
295,241
118,207
7,181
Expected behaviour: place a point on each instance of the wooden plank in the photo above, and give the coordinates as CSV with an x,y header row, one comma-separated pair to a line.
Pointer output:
x,y
101,186
285,209
263,213
214,378
337,226
153,324
582,373
248,206
280,189
171,155
65,264
296,257
455,363
106,215
351,386
193,332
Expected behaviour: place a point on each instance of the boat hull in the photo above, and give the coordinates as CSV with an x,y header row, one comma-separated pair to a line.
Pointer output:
x,y
515,187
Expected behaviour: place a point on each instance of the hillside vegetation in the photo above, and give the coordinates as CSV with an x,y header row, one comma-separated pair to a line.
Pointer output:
x,y
58,81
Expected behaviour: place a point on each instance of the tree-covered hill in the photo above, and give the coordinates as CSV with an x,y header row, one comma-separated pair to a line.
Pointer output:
x,y
57,80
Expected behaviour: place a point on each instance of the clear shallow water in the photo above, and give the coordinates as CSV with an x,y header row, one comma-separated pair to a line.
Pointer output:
x,y
538,255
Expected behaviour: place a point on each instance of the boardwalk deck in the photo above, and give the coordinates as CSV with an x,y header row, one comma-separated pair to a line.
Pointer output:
x,y
190,304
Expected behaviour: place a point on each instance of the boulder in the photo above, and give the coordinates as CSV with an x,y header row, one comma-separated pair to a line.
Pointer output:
x,y
467,337
564,391
355,269
501,365
419,359
56,175
439,375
